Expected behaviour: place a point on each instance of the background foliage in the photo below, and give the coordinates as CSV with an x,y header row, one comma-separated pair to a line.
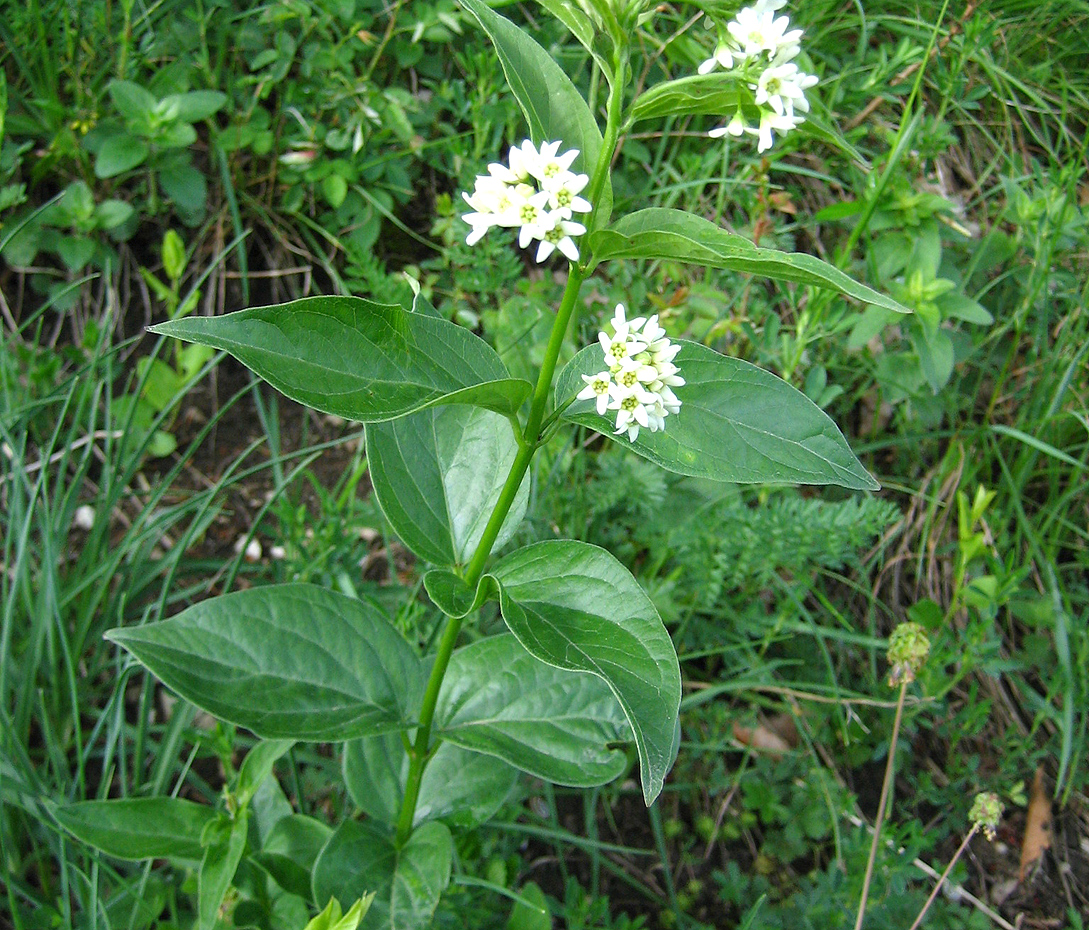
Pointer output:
x,y
178,158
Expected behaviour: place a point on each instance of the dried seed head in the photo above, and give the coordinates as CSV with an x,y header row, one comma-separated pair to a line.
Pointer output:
x,y
985,813
908,649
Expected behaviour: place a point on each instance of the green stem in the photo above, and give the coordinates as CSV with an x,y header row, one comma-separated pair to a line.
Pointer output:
x,y
943,877
421,750
886,785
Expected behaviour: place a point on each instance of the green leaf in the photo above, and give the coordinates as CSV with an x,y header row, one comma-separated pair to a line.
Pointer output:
x,y
291,850
186,186
132,100
559,725
582,28
361,857
120,153
737,423
290,661
335,189
697,94
357,359
964,308
196,105
332,918
221,858
936,356
453,596
465,788
553,107
74,251
112,213
139,828
438,474
173,255
575,606
257,766
530,911
659,233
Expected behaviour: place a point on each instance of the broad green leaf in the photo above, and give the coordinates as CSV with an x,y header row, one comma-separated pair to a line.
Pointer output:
x,y
697,94
139,828
581,27
357,359
737,423
112,213
133,101
121,152
186,186
964,308
257,766
452,595
221,858
936,356
559,725
361,858
290,661
553,107
531,911
438,473
575,606
195,105
466,788
659,233
291,850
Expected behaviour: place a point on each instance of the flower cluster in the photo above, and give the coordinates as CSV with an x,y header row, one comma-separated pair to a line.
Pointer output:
x,y
639,377
761,46
535,191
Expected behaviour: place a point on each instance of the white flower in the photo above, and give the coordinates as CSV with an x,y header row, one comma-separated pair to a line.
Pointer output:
x,y
552,165
782,87
735,127
563,190
770,120
558,237
724,57
251,551
596,386
84,517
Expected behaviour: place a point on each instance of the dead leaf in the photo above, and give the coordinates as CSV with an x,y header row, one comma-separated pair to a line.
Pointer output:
x,y
775,736
1037,825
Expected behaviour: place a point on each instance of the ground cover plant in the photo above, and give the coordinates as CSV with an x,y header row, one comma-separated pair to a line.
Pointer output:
x,y
198,160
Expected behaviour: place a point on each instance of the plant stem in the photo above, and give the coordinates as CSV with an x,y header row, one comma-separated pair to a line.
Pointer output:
x,y
942,877
890,767
421,750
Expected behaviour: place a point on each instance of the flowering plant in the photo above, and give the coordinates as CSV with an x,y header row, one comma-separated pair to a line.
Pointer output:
x,y
586,667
